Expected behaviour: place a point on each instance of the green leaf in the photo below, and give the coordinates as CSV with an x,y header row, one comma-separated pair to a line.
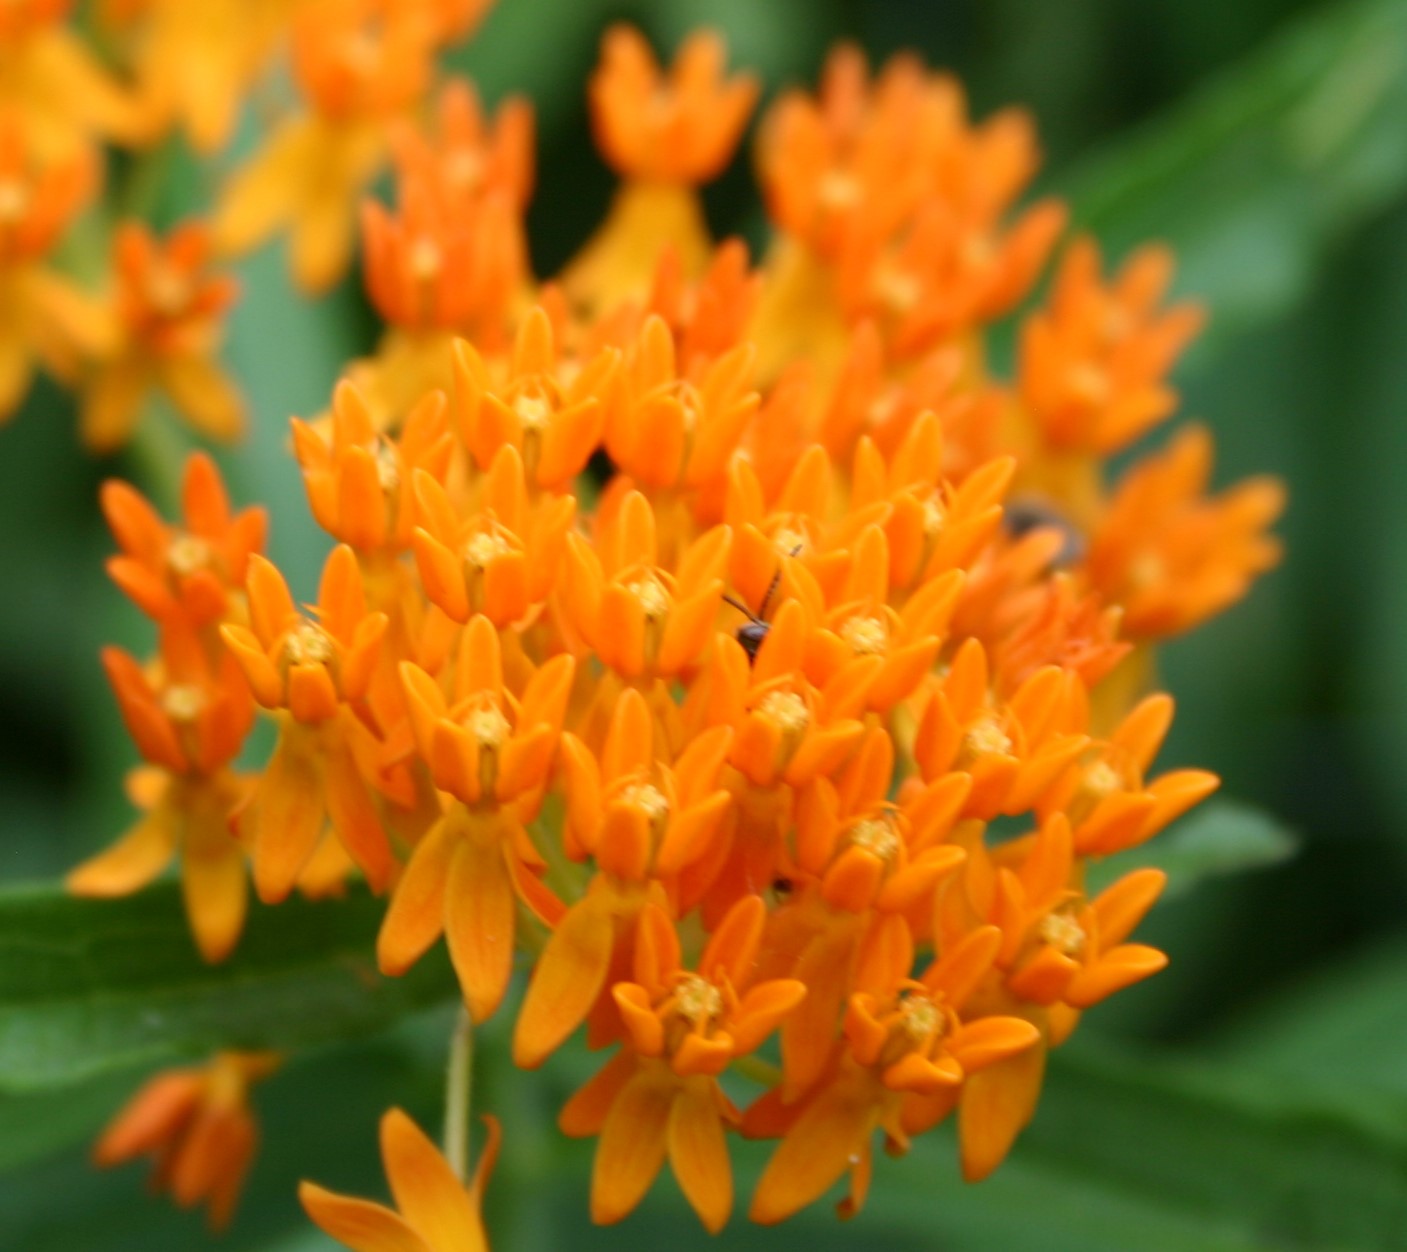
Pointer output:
x,y
1221,837
1255,177
91,986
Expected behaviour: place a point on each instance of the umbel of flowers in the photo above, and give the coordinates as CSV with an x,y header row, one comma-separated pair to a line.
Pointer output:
x,y
692,617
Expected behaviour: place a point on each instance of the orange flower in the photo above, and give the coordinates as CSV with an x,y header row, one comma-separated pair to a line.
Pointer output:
x,y
857,159
907,1053
858,859
198,1125
493,753
438,1212
42,318
672,432
1103,792
359,64
189,721
934,524
679,129
665,136
361,488
1171,556
464,156
313,675
863,624
169,314
660,1095
1015,750
775,534
1093,363
53,84
192,574
1059,627
550,409
196,62
642,821
638,618
501,561
1060,954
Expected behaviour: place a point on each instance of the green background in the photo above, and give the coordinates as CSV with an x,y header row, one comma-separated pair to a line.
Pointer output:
x,y
1255,1094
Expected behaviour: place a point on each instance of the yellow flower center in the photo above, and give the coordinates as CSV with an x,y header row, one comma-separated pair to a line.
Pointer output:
x,y
876,835
934,516
786,709
183,702
653,598
168,291
186,553
985,738
388,467
308,644
533,411
425,258
1101,779
1089,383
839,190
789,541
648,798
484,547
464,168
14,200
899,291
1063,933
920,1018
698,1000
865,635
488,726
1147,569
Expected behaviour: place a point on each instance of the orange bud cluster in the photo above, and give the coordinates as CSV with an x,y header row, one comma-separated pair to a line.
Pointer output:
x,y
692,624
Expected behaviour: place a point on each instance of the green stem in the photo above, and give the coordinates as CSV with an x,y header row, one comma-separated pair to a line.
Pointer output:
x,y
459,1087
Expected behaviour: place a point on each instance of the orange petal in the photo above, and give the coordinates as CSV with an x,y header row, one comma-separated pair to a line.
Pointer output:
x,y
566,983
287,815
132,862
417,913
632,1145
815,1152
479,916
996,1103
427,1192
698,1154
213,884
359,1224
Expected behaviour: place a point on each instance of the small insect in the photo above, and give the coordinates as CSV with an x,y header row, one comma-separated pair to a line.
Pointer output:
x,y
1026,514
752,632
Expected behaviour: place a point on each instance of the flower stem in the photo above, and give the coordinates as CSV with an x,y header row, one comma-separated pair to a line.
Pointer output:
x,y
459,1087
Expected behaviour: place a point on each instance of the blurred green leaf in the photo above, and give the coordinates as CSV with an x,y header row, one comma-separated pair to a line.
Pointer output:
x,y
1258,174
1221,837
89,986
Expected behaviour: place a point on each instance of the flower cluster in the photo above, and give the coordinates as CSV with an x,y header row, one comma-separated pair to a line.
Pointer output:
x,y
694,625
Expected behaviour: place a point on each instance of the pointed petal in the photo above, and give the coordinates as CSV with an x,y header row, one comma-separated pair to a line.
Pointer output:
x,y
698,1154
632,1146
359,1224
566,983
427,1192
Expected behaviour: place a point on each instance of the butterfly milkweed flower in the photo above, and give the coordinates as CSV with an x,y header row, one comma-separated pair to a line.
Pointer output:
x,y
438,1212
725,644
169,309
198,1126
665,134
660,1097
43,318
359,65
